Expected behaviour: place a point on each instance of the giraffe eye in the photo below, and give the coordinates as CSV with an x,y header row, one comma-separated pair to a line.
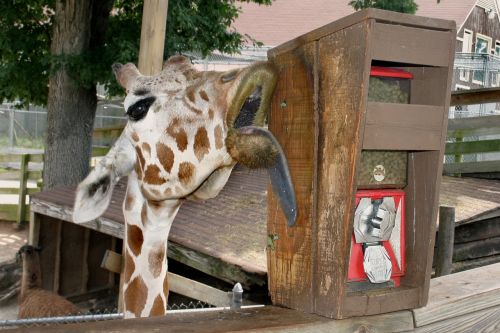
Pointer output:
x,y
139,109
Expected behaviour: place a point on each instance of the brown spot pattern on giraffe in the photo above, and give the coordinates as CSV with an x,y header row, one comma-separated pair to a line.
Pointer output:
x,y
190,95
129,266
201,143
203,94
179,134
129,201
135,137
218,137
156,259
158,308
135,239
152,175
186,172
165,155
135,296
211,114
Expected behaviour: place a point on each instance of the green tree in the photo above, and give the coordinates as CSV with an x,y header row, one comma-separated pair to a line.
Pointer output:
x,y
402,6
54,52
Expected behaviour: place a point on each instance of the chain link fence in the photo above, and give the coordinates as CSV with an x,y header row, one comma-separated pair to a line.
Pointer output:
x,y
27,128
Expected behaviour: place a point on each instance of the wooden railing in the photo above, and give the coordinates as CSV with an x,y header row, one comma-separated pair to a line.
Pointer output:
x,y
19,211
462,129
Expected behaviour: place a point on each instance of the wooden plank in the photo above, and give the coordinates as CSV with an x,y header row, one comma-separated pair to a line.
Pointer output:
x,y
472,167
47,240
425,47
483,229
154,21
445,240
72,252
260,319
57,257
460,266
476,322
461,293
214,267
475,96
23,182
371,13
196,290
98,277
473,147
34,229
85,265
474,126
477,249
16,191
289,259
112,261
417,127
339,152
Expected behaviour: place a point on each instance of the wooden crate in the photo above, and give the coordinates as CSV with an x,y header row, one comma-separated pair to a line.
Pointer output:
x,y
322,119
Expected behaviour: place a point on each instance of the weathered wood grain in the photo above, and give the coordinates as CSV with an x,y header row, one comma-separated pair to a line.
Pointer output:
x,y
460,293
477,249
341,118
262,319
425,47
196,290
475,96
475,322
445,240
154,22
292,121
472,167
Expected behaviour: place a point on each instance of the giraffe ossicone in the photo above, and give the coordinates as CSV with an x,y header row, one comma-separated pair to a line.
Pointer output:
x,y
184,135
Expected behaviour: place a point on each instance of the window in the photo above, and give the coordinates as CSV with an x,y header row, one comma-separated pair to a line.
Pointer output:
x,y
483,46
466,48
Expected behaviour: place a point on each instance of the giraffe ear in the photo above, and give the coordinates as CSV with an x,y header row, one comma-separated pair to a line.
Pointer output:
x,y
94,192
93,195
125,74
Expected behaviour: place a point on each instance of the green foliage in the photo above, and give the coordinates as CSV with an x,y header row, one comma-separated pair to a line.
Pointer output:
x,y
25,35
402,6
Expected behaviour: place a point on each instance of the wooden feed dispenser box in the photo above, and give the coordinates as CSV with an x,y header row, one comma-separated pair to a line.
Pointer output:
x,y
360,110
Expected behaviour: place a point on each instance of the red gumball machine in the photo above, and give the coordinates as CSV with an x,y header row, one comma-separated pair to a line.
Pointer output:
x,y
378,241
377,257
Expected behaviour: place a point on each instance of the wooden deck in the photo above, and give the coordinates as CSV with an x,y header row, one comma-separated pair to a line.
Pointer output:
x,y
223,237
462,302
226,237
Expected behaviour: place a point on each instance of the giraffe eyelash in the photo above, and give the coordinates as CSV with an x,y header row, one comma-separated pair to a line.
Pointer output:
x,y
139,109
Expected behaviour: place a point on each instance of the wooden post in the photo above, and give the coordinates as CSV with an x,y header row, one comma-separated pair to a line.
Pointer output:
x,y
21,208
154,22
446,237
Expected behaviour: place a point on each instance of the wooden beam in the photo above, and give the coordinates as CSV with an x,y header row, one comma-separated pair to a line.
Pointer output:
x,y
471,167
472,147
196,290
445,240
463,127
177,284
475,96
154,22
458,294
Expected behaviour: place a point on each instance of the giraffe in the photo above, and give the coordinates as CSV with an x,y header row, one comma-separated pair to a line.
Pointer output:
x,y
184,136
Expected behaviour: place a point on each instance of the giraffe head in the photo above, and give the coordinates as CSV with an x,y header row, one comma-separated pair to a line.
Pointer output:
x,y
185,133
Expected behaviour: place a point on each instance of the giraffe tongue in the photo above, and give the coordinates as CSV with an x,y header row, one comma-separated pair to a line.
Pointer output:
x,y
279,174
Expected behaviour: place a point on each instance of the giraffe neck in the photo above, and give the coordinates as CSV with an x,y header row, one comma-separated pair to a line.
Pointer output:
x,y
147,225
